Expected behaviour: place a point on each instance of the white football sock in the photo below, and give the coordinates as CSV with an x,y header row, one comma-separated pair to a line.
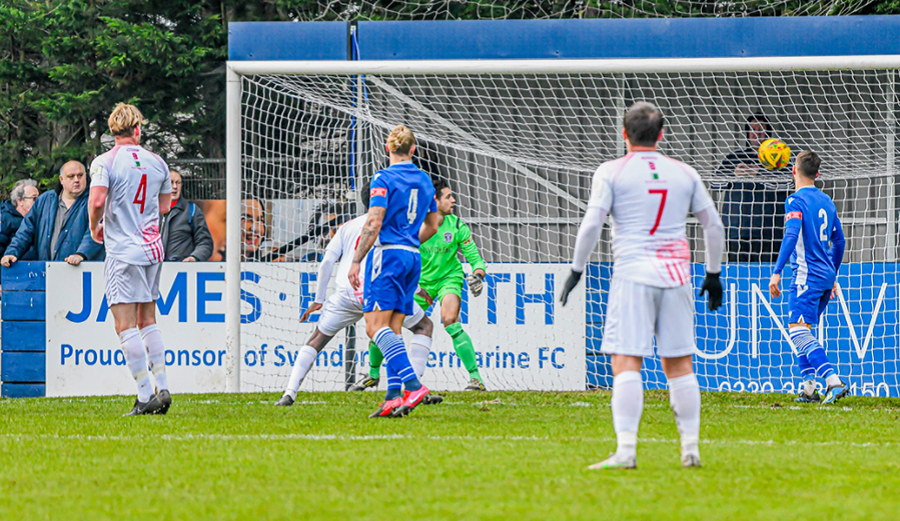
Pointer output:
x,y
156,353
627,407
136,358
684,396
419,349
809,386
306,357
833,381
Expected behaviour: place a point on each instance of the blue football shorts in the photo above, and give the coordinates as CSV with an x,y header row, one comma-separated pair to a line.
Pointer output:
x,y
807,304
392,276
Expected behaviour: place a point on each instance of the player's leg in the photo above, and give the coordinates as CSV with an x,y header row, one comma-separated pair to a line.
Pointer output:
x,y
338,312
122,285
384,328
628,337
805,307
125,316
306,357
422,329
808,392
676,343
451,300
152,337
372,380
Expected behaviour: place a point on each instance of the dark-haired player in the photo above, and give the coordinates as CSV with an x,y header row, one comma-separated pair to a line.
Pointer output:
x,y
814,243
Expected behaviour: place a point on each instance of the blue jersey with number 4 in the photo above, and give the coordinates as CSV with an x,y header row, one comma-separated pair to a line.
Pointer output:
x,y
407,195
814,214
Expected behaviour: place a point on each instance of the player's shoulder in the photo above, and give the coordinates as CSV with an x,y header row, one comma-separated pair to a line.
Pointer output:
x,y
105,159
691,172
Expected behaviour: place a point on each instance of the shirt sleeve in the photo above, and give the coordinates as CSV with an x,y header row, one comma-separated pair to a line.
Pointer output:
x,y
469,249
601,190
378,192
432,208
166,187
793,213
700,200
99,175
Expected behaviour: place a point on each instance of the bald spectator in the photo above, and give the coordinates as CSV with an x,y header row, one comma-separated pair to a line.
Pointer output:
x,y
185,236
13,211
57,225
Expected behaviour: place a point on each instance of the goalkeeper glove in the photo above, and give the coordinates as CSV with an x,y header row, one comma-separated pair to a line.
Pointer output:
x,y
476,284
571,282
712,285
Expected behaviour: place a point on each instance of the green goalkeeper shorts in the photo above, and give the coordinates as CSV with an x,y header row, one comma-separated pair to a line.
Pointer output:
x,y
451,286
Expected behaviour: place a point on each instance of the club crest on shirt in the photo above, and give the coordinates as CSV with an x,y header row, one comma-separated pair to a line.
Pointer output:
x,y
448,237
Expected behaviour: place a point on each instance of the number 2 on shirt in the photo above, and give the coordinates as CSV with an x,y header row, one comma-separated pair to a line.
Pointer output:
x,y
662,205
413,205
141,196
824,215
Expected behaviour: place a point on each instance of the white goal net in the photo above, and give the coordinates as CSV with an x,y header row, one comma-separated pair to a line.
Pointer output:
x,y
519,151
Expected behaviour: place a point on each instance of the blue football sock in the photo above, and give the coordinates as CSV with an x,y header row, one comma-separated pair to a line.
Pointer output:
x,y
391,345
395,385
807,344
807,371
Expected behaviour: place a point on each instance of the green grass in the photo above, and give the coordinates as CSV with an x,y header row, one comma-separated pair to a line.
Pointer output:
x,y
505,456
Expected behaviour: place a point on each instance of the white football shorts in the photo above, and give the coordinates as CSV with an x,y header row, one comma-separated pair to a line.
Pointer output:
x,y
130,284
637,312
342,310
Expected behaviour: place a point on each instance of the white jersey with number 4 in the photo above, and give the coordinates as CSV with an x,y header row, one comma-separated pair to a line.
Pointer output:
x,y
649,196
135,178
344,245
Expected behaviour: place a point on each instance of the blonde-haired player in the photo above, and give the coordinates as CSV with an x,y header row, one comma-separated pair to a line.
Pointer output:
x,y
130,188
650,293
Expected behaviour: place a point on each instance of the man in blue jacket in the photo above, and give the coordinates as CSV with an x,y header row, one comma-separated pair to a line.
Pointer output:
x,y
13,212
57,225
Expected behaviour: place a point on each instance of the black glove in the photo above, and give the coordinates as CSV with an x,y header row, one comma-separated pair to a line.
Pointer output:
x,y
571,282
712,285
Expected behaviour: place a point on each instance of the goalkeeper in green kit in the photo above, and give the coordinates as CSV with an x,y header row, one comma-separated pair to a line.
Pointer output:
x,y
442,280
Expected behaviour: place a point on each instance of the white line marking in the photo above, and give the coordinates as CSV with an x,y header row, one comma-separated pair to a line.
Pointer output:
x,y
394,437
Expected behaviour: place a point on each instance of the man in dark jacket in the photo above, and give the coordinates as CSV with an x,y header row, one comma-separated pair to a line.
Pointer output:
x,y
57,225
13,211
753,197
184,233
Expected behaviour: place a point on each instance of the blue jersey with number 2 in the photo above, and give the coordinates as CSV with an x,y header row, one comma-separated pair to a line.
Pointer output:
x,y
407,195
814,213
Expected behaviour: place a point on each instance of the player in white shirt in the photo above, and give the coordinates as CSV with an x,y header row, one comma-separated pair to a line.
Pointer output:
x,y
648,195
130,188
345,308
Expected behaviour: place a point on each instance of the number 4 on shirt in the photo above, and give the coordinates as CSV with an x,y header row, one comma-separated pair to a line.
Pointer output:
x,y
141,196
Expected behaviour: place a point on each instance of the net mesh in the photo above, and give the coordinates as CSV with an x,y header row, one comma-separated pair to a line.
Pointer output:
x,y
519,151
457,10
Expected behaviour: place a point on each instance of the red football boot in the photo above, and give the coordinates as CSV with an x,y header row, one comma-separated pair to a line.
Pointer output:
x,y
410,400
387,407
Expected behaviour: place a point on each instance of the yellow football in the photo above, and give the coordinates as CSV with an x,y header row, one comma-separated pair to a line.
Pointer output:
x,y
774,154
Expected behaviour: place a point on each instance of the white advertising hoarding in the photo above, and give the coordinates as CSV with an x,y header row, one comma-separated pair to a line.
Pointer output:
x,y
523,338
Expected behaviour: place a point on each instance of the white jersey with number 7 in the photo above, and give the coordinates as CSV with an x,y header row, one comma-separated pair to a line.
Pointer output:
x,y
134,177
648,195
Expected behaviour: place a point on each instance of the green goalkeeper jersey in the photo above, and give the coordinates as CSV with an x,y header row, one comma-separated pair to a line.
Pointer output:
x,y
439,259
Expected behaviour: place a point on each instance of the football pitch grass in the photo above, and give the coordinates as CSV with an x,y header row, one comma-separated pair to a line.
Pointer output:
x,y
507,456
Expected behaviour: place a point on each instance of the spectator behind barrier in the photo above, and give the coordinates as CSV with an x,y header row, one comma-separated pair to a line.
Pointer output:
x,y
57,225
13,211
753,197
185,235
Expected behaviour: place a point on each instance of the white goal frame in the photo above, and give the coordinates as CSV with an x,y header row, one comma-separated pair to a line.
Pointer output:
x,y
237,69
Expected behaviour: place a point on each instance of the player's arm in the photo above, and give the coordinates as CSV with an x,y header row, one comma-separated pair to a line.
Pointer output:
x,y
599,206
378,201
704,209
97,200
333,253
431,223
793,221
838,244
165,193
470,251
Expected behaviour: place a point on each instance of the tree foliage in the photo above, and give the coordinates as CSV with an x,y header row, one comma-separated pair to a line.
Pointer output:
x,y
65,63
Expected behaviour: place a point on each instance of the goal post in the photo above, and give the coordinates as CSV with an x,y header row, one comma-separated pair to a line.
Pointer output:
x,y
519,141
